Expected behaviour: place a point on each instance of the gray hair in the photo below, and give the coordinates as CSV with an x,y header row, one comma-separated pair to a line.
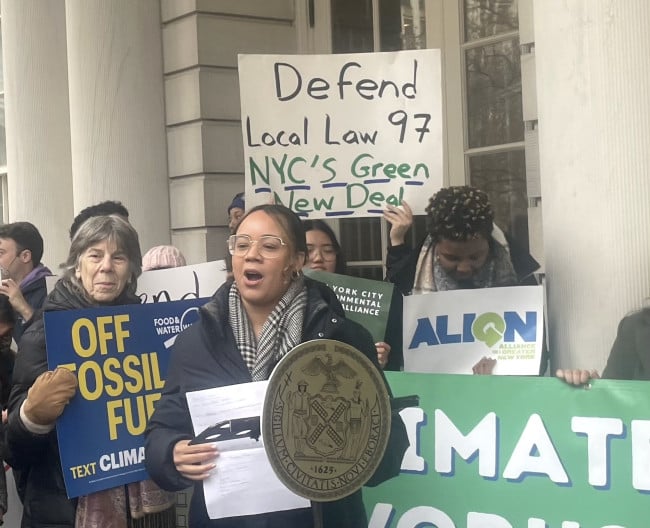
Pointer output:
x,y
97,229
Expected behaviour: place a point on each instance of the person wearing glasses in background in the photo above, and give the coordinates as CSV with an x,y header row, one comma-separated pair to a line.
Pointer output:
x,y
242,333
324,254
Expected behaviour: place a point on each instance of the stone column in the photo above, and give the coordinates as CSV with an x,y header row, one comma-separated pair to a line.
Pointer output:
x,y
117,110
593,67
37,120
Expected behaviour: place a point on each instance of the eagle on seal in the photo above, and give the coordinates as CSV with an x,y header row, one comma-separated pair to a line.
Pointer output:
x,y
331,370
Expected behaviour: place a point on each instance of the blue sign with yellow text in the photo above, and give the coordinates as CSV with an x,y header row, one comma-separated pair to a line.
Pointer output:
x,y
119,355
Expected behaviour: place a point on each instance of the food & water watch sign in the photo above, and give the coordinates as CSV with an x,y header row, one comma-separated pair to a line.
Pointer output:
x,y
119,355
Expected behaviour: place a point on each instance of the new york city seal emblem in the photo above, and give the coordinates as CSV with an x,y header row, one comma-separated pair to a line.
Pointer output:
x,y
326,419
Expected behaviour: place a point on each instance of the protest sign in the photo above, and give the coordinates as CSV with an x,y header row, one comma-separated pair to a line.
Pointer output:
x,y
119,355
365,301
450,331
518,452
342,135
187,282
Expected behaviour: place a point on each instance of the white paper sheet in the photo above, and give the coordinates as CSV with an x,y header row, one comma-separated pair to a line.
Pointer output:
x,y
243,483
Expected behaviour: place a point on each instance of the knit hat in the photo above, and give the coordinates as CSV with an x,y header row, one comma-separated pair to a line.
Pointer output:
x,y
238,201
162,257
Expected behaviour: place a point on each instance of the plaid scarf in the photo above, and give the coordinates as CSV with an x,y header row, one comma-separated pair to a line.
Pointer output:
x,y
281,332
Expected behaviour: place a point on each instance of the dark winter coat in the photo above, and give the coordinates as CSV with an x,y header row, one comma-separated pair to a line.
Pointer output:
x,y
35,457
629,358
7,359
206,356
34,292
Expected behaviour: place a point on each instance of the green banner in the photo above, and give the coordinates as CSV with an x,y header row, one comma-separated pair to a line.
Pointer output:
x,y
365,301
518,452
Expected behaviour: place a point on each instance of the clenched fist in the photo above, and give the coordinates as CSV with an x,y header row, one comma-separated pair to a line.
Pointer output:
x,y
49,395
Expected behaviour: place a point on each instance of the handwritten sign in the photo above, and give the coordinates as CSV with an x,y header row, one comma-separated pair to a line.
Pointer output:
x,y
187,282
342,135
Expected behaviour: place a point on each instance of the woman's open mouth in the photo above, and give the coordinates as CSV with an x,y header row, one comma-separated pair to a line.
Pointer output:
x,y
253,277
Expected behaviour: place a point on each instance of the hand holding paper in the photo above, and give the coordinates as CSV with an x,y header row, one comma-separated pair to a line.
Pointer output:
x,y
195,461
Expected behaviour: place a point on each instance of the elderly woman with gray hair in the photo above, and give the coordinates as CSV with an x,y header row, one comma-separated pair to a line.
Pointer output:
x,y
101,270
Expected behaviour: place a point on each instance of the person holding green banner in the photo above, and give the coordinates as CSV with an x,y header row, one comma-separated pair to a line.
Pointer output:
x,y
629,358
324,254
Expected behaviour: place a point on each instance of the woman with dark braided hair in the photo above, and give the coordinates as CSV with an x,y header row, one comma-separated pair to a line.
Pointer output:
x,y
459,251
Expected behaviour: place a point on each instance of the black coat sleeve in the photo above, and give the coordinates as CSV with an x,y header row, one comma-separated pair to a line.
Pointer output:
x,y
25,447
623,359
394,332
400,267
170,423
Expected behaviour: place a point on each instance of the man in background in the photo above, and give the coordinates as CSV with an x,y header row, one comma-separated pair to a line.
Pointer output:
x,y
23,274
236,211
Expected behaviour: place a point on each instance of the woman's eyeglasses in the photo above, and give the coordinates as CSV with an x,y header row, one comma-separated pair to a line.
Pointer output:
x,y
327,252
267,246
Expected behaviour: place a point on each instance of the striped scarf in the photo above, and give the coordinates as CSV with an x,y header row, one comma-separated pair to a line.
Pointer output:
x,y
281,332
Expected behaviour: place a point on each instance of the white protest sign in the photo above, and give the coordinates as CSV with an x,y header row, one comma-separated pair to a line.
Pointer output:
x,y
449,332
342,135
187,282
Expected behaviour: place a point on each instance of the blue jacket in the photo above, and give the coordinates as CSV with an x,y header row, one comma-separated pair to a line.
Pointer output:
x,y
206,356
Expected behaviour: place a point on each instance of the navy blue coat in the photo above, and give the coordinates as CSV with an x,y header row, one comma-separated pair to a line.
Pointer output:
x,y
629,358
206,356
